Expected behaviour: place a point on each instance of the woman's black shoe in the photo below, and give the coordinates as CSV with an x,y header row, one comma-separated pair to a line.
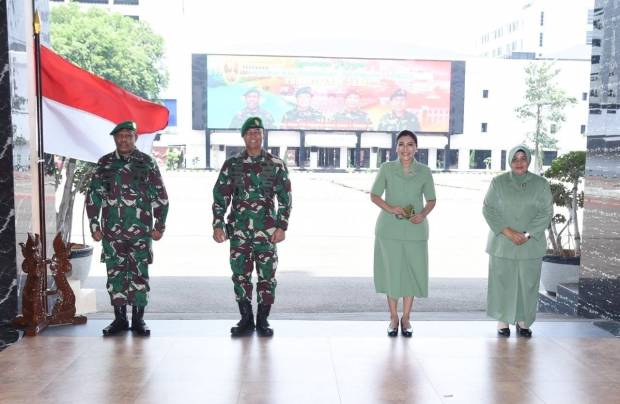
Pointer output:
x,y
406,332
504,332
392,332
524,332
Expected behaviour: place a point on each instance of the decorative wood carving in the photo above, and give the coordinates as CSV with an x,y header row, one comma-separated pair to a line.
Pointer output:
x,y
64,308
34,316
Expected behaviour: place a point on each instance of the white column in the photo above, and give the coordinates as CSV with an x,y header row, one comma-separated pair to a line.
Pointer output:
x,y
432,158
314,159
372,160
463,159
344,156
496,160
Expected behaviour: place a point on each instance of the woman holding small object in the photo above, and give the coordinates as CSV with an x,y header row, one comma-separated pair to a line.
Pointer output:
x,y
518,207
401,232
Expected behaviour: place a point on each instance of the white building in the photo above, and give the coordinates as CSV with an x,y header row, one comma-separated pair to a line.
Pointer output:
x,y
540,29
494,87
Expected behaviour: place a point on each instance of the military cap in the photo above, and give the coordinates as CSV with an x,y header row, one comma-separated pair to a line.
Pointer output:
x,y
252,90
398,93
131,125
303,90
251,122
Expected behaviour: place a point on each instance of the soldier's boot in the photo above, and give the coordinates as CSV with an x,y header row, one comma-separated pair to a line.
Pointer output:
x,y
137,322
120,322
262,325
246,325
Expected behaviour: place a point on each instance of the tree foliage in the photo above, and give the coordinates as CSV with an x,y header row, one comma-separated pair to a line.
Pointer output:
x,y
544,106
111,45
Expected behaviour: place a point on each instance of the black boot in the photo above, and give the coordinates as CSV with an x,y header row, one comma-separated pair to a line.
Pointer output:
x,y
262,325
120,322
246,325
137,322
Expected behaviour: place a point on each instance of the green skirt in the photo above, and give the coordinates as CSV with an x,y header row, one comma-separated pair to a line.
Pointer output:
x,y
401,267
513,289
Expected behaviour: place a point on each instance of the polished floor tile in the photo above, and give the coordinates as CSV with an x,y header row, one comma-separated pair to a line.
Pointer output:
x,y
314,362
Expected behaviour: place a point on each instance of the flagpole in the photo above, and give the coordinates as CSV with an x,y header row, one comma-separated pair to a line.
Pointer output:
x,y
40,152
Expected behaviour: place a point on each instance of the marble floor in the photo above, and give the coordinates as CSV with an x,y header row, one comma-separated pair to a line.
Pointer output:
x,y
314,362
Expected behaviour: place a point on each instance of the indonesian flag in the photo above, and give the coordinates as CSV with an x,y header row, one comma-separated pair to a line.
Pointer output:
x,y
80,110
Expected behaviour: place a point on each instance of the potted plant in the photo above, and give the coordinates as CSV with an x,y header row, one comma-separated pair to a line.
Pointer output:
x,y
77,175
561,264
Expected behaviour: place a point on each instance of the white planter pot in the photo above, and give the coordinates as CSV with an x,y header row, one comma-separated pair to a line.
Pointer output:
x,y
556,270
81,258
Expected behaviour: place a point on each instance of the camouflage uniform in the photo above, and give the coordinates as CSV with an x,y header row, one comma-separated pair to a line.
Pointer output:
x,y
251,183
128,192
394,123
352,120
241,116
297,119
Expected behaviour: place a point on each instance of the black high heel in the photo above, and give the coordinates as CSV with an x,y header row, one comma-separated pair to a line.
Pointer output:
x,y
524,332
392,332
504,332
406,332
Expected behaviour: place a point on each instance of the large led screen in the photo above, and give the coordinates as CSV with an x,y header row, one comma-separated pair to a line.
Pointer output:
x,y
328,93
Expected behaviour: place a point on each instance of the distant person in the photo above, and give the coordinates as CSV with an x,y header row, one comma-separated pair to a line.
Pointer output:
x,y
303,116
352,117
128,192
252,109
249,183
399,119
518,208
401,232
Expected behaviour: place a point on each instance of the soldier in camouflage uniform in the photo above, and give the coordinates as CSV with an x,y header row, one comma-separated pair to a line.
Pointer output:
x,y
303,116
399,119
128,190
252,109
249,181
352,117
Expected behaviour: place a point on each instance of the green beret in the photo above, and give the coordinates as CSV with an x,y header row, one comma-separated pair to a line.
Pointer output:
x,y
131,125
251,122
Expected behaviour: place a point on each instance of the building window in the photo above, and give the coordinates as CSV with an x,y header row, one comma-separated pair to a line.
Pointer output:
x,y
133,2
553,128
542,18
584,96
485,93
483,127
589,38
583,129
93,1
548,157
172,109
133,17
479,159
540,39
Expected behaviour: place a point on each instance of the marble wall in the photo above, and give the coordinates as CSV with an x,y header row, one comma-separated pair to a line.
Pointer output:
x,y
8,264
599,284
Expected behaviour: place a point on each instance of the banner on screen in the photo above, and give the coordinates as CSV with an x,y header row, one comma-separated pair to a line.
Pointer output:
x,y
328,93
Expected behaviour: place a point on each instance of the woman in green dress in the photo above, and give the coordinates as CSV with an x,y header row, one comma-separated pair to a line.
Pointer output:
x,y
518,208
401,232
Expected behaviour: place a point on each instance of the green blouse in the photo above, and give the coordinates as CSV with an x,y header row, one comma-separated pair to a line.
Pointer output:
x,y
402,190
523,203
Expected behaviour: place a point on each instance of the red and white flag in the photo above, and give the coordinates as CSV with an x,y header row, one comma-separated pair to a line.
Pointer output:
x,y
81,109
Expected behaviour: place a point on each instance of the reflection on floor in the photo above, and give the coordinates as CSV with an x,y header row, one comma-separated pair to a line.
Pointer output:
x,y
315,362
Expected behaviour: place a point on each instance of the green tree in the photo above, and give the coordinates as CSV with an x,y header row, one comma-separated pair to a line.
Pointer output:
x,y
544,106
118,48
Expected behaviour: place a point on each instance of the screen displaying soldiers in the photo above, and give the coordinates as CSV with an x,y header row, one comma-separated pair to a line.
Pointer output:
x,y
303,93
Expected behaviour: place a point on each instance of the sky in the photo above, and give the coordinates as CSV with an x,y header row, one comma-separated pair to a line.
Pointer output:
x,y
382,28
